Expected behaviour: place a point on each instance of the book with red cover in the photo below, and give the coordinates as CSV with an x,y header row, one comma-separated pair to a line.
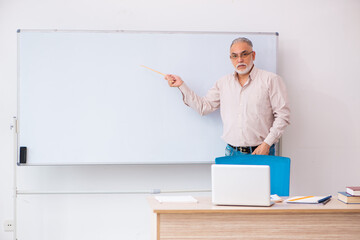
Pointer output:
x,y
355,191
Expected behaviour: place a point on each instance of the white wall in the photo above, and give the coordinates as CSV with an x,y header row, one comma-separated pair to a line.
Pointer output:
x,y
319,59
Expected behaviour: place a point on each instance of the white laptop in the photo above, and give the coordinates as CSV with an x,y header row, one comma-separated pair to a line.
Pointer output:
x,y
247,185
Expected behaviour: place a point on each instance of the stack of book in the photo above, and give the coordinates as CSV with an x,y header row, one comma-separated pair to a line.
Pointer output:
x,y
352,195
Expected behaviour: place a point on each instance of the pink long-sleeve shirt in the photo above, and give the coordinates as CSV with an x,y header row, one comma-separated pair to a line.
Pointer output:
x,y
254,113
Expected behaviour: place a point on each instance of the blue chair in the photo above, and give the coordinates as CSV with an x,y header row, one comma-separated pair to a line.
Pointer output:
x,y
279,169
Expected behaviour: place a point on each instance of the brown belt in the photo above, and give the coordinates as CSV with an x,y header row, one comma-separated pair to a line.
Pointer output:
x,y
244,149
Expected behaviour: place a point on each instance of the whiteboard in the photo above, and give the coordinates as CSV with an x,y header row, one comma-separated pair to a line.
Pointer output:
x,y
84,99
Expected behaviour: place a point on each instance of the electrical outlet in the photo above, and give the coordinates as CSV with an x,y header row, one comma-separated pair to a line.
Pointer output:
x,y
8,226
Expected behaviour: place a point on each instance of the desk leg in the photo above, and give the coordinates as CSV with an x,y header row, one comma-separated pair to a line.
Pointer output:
x,y
155,227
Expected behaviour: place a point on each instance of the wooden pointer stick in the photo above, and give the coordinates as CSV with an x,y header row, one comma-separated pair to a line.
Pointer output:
x,y
153,70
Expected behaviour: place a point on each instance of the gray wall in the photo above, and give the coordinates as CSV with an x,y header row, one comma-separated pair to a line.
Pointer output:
x,y
319,56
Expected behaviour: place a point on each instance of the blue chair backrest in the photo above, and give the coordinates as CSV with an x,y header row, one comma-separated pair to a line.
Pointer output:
x,y
279,169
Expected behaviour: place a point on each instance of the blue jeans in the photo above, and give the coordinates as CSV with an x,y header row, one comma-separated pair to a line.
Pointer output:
x,y
229,151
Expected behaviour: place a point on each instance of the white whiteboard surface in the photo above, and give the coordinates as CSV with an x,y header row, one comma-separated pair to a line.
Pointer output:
x,y
84,99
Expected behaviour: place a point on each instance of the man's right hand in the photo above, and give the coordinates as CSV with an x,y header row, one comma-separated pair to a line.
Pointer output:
x,y
173,80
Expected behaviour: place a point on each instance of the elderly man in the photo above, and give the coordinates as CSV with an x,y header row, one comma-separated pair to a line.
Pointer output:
x,y
253,103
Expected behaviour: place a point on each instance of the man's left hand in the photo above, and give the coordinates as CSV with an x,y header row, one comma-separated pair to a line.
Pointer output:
x,y
262,149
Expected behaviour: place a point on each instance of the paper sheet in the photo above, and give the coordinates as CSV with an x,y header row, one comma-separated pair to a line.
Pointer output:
x,y
177,199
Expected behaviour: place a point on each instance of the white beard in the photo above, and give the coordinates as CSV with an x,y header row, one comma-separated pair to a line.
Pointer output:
x,y
245,71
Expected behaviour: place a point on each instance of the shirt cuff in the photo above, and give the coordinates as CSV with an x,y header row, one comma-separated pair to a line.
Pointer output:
x,y
270,140
183,87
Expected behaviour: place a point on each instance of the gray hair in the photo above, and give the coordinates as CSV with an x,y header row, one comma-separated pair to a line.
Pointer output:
x,y
241,39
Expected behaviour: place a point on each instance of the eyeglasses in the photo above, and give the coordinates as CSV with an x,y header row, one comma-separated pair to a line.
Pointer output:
x,y
242,55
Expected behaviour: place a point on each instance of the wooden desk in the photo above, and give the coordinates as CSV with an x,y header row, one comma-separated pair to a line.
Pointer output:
x,y
203,220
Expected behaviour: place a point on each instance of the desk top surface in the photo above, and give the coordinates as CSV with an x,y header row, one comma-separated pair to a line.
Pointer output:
x,y
204,205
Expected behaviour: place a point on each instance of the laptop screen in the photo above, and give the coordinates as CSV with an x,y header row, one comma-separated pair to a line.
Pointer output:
x,y
240,184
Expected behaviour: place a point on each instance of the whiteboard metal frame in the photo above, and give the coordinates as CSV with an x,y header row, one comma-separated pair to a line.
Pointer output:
x,y
278,145
145,31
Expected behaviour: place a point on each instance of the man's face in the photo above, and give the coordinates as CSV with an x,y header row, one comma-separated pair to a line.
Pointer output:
x,y
242,57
